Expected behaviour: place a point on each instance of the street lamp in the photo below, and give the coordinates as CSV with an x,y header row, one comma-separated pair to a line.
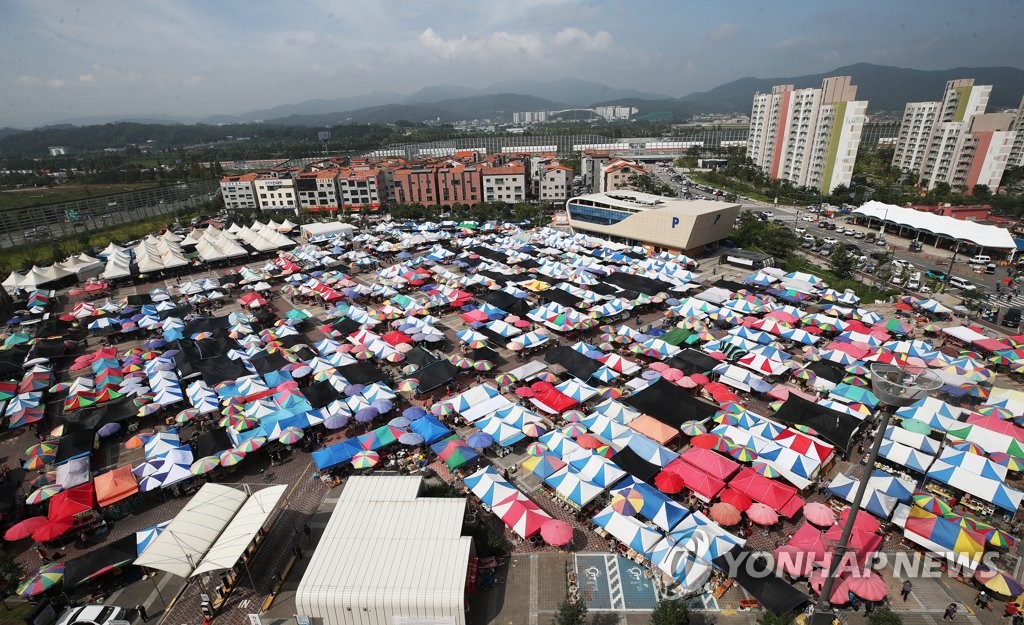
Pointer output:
x,y
895,387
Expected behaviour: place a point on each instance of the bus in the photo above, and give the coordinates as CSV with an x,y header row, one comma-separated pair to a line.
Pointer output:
x,y
743,258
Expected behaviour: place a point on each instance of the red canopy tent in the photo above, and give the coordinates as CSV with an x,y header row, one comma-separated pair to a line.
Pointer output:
x,y
72,502
475,316
862,543
252,299
776,495
396,338
991,345
714,464
806,445
553,400
702,484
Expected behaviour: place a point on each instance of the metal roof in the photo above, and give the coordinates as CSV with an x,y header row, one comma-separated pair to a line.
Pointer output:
x,y
957,229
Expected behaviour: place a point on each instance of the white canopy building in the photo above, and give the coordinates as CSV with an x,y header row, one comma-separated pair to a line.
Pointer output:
x,y
388,555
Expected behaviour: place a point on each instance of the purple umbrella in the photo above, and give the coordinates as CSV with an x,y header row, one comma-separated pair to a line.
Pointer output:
x,y
650,374
414,413
382,406
434,338
336,421
419,336
480,440
399,422
109,430
366,415
353,389
410,438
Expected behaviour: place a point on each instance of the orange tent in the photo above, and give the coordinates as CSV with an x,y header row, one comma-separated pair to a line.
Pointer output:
x,y
114,486
653,429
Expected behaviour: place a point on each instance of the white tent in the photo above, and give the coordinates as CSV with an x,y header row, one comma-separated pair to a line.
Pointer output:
x,y
191,533
957,229
239,533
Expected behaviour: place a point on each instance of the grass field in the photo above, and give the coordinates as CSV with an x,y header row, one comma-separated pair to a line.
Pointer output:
x,y
24,198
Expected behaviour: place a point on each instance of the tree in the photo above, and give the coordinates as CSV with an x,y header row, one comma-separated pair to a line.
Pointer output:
x,y
981,193
842,262
771,618
10,571
883,615
571,611
671,612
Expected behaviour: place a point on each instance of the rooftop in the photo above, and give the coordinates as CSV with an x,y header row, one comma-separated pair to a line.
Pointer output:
x,y
637,201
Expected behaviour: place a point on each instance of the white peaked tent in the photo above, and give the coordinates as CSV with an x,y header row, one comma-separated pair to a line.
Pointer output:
x,y
217,245
233,228
118,265
12,281
111,248
286,226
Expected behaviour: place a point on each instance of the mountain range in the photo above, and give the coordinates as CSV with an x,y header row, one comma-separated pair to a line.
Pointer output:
x,y
886,88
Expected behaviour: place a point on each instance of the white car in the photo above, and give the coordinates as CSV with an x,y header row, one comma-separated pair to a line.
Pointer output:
x,y
807,218
830,241
801,230
93,614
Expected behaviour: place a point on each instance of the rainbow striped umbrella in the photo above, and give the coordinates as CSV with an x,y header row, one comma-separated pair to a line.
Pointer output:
x,y
1012,463
205,465
252,444
505,379
628,502
534,429
692,428
536,449
409,385
999,538
995,411
998,582
45,578
932,504
765,469
231,457
291,435
605,450
46,448
42,494
38,462
365,459
186,415
573,416
967,446
743,454
574,430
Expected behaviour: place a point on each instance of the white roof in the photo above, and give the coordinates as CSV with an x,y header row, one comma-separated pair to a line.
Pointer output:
x,y
239,533
963,333
980,234
190,534
388,553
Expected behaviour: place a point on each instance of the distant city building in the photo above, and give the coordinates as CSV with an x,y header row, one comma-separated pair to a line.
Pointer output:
x,y
618,175
504,183
239,192
809,137
276,191
57,150
1017,152
954,141
554,182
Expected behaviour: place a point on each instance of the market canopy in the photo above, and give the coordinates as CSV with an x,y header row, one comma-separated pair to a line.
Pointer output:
x,y
757,578
239,533
116,485
99,561
949,227
835,427
191,533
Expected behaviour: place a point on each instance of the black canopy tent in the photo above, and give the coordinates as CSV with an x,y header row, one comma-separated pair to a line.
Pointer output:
x,y
48,348
265,363
828,370
834,426
10,486
559,296
94,418
346,326
670,404
628,460
641,284
75,444
210,442
578,365
107,558
206,324
436,375
757,577
220,369
419,357
729,285
361,373
485,353
319,394
691,361
506,301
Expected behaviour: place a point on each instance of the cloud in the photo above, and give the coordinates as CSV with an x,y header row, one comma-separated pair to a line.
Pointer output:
x,y
89,78
498,42
56,83
725,31
572,36
787,44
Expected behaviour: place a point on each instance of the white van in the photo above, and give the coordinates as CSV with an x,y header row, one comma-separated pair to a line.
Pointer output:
x,y
963,284
981,259
914,282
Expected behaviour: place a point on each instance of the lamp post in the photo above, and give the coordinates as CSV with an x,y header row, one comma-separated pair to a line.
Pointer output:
x,y
895,387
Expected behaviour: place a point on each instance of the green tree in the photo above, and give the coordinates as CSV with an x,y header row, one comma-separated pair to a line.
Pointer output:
x,y
753,234
10,571
670,612
883,615
771,618
842,262
981,193
571,611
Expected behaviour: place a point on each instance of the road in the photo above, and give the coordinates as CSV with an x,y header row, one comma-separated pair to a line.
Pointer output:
x,y
929,258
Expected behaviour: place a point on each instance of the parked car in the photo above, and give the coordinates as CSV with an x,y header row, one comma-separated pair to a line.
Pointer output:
x,y
1012,318
830,240
92,614
880,241
935,274
915,246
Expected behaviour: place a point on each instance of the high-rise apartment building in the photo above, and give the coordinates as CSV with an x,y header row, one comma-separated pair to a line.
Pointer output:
x,y
954,141
1017,125
808,136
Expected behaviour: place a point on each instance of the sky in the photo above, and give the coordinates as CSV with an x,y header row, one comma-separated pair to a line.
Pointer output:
x,y
67,59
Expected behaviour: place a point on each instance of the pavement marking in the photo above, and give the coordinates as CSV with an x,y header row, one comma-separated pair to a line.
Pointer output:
x,y
615,592
534,587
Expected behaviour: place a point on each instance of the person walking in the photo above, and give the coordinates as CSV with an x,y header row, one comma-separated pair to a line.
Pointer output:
x,y
982,600
905,591
950,612
141,609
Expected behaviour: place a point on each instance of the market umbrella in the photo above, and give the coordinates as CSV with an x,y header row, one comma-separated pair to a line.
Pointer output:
x,y
24,528
186,415
366,415
765,469
42,494
738,500
819,514
762,515
574,430
205,465
693,428
573,416
967,446
743,454
291,435
918,427
409,385
999,538
706,441
534,429
536,449
231,457
336,420
725,514
53,529
669,482
480,440
252,444
589,441
628,502
505,379
931,503
43,579
138,440
38,462
46,448
410,438
998,582
1012,463
869,587
365,459
556,532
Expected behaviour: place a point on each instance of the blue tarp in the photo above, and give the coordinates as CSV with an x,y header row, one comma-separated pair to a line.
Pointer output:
x,y
429,428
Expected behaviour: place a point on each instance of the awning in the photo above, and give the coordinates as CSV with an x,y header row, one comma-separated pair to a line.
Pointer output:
x,y
114,486
239,533
190,534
